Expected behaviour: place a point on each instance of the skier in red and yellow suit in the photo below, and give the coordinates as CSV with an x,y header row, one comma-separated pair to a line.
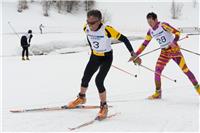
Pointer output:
x,y
163,33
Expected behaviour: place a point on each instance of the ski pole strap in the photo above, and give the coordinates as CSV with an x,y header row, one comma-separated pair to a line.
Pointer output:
x,y
158,73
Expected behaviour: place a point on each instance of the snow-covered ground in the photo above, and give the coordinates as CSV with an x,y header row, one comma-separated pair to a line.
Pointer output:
x,y
54,79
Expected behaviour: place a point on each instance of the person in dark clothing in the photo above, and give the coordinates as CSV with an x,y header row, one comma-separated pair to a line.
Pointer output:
x,y
25,43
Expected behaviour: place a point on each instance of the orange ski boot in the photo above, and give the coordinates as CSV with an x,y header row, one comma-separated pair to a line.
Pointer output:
x,y
79,100
103,111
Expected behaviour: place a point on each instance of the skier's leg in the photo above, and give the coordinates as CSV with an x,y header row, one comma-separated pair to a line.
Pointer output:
x,y
160,65
23,52
90,69
27,54
99,80
180,61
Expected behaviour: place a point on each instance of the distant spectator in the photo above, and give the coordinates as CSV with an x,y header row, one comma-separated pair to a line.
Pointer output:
x,y
25,43
40,27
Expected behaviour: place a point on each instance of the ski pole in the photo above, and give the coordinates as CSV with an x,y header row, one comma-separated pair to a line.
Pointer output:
x,y
193,34
158,73
13,29
190,51
124,71
187,36
147,53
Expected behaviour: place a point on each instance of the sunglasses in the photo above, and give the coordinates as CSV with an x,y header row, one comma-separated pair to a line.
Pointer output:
x,y
92,23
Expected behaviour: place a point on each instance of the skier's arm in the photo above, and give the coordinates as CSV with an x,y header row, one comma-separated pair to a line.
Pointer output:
x,y
111,32
172,30
145,43
30,39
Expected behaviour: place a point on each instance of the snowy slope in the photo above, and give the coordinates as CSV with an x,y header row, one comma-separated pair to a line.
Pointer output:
x,y
54,80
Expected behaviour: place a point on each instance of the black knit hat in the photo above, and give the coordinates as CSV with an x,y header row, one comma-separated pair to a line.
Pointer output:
x,y
29,31
95,13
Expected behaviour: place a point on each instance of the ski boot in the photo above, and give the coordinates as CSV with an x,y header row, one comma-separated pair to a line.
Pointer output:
x,y
27,58
102,112
156,95
79,100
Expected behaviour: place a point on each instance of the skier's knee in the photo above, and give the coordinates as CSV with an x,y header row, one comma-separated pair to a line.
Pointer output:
x,y
101,89
84,83
185,69
100,85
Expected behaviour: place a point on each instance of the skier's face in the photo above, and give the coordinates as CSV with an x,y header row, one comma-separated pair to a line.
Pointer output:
x,y
152,22
93,23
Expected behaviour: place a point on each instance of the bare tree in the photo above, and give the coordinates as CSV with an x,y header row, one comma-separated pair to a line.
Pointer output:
x,y
46,7
70,5
59,5
89,4
195,2
22,5
176,9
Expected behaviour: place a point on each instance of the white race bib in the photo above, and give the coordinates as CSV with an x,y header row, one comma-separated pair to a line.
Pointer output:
x,y
98,40
163,37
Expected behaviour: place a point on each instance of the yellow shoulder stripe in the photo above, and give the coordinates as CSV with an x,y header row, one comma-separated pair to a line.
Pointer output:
x,y
177,33
148,37
113,33
166,27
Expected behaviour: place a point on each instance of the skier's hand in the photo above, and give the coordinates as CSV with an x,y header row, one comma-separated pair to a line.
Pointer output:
x,y
135,59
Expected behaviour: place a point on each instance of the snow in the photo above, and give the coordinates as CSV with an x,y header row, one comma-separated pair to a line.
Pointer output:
x,y
54,79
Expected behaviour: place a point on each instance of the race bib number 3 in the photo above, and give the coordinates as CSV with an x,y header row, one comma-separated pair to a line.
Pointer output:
x,y
95,44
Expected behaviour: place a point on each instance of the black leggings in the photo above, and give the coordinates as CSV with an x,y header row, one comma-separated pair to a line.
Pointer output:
x,y
103,63
25,49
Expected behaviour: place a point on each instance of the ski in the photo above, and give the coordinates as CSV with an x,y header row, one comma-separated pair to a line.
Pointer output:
x,y
65,107
92,121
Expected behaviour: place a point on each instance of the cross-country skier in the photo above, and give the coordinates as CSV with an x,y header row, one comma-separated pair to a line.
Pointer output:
x,y
25,43
163,33
99,38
